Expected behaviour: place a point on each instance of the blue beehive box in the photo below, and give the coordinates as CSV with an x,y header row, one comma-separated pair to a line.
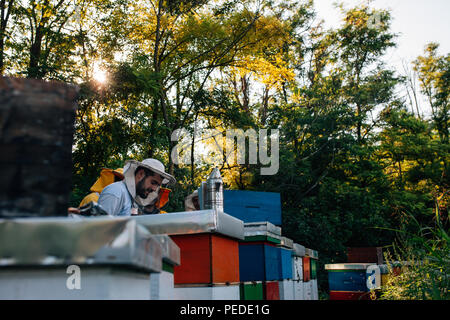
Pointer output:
x,y
285,260
347,281
253,206
258,262
347,277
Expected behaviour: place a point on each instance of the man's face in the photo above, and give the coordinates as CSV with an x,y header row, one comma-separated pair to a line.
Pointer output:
x,y
147,184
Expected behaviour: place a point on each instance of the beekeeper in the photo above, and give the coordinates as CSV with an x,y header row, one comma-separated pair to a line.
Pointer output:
x,y
140,188
191,202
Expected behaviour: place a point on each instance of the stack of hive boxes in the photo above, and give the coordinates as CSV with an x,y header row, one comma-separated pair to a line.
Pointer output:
x,y
307,292
349,281
310,274
209,252
162,283
259,264
271,265
286,283
209,267
314,268
297,271
87,258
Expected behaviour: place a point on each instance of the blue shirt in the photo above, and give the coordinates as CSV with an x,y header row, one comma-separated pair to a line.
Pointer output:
x,y
116,200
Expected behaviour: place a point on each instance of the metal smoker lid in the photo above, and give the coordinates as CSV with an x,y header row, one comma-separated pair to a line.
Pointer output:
x,y
215,175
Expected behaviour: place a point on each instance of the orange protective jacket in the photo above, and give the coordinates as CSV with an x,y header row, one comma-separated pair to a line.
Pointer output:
x,y
107,176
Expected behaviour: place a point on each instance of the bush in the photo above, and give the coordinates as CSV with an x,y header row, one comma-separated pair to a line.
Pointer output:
x,y
425,271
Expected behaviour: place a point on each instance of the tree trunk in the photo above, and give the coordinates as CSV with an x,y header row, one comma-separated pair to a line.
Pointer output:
x,y
265,105
151,139
4,16
35,54
359,124
2,47
193,150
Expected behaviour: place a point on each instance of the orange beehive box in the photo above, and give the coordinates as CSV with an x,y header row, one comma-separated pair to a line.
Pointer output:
x,y
306,269
206,258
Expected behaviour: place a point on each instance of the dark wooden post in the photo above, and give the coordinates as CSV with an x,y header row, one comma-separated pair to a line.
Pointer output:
x,y
36,135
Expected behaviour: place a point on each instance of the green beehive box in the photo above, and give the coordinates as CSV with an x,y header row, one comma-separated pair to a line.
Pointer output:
x,y
313,269
251,291
265,238
262,231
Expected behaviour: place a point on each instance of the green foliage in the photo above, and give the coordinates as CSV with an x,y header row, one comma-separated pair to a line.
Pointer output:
x,y
424,258
352,158
434,77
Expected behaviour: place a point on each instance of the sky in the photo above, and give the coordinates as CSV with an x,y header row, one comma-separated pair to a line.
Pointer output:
x,y
417,23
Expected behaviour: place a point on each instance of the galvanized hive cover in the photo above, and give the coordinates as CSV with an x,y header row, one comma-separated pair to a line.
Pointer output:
x,y
191,222
287,243
262,231
170,251
61,241
299,250
262,226
348,266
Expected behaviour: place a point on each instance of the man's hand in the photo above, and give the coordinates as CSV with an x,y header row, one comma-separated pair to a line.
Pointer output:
x,y
73,210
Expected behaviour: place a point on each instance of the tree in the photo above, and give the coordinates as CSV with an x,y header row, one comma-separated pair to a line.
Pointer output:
x,y
434,76
184,42
361,43
44,41
6,8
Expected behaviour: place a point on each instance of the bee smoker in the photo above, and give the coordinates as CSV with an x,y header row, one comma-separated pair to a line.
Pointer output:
x,y
213,191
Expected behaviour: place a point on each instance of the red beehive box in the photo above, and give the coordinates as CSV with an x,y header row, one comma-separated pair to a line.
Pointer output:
x,y
271,290
349,295
306,269
206,259
365,255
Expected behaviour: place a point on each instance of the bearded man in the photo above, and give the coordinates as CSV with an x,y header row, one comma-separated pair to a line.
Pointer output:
x,y
139,188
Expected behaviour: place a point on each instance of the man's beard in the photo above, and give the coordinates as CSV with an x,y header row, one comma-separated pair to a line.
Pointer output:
x,y
143,199
140,190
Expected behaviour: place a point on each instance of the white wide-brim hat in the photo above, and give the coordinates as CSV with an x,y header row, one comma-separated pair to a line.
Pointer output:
x,y
153,165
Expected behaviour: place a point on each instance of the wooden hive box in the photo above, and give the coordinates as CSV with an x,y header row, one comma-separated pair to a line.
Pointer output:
x,y
207,259
251,290
350,277
259,253
286,264
365,255
253,206
259,261
306,269
349,295
271,290
209,252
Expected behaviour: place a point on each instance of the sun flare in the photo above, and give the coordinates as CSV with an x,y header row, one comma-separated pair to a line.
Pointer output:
x,y
99,74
